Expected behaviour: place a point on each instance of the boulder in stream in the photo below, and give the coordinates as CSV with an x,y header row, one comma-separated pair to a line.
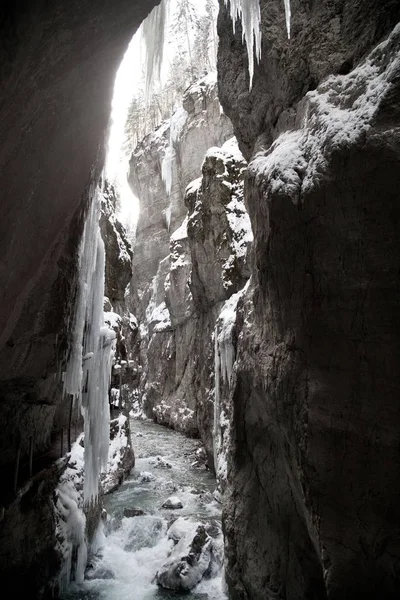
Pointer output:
x,y
133,512
173,502
188,562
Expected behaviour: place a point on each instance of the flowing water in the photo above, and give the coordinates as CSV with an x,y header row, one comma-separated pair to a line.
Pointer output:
x,y
132,549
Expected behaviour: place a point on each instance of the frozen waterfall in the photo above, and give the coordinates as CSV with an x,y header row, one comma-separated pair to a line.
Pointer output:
x,y
92,348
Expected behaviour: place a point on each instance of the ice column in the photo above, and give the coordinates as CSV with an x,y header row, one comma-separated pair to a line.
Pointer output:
x,y
89,365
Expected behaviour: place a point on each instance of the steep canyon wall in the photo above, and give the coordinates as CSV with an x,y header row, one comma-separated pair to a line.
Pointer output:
x,y
311,510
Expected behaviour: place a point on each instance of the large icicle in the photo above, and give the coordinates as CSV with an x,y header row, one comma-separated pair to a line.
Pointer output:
x,y
217,400
89,365
248,11
153,33
288,14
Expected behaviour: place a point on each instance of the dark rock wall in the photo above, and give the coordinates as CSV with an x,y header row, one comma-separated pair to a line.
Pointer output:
x,y
312,504
57,66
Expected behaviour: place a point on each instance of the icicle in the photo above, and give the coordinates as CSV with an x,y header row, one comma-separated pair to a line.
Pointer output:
x,y
288,14
217,387
153,32
248,11
166,169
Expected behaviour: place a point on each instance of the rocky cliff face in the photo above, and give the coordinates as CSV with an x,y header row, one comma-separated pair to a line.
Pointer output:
x,y
203,264
164,163
206,265
310,511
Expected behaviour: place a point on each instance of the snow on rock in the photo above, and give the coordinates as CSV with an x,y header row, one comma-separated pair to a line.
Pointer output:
x,y
121,458
335,115
145,477
71,519
113,320
173,502
189,561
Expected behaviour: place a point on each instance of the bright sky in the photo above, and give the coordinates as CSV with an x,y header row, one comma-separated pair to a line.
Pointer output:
x,y
128,78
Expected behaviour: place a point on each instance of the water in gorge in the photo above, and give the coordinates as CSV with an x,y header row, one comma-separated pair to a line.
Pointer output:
x,y
133,549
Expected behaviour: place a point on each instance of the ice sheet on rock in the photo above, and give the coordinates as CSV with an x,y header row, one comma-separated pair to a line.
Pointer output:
x,y
167,167
288,15
176,124
70,519
224,358
153,35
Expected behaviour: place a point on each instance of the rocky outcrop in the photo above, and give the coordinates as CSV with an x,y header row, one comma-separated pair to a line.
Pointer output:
x,y
164,163
206,265
172,330
313,469
118,269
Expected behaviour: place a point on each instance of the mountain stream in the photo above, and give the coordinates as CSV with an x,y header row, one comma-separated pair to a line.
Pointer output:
x,y
132,549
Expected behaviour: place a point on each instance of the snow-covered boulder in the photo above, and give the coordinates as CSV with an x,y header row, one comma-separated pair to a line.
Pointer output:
x,y
173,502
189,561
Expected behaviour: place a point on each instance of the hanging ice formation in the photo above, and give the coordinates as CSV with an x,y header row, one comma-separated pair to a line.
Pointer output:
x,y
249,13
153,33
288,14
89,365
224,358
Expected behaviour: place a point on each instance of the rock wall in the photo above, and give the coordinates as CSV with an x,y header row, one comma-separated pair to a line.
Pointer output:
x,y
206,265
161,167
311,510
57,66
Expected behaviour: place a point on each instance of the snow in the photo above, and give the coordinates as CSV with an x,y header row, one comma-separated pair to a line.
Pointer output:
x,y
338,114
181,232
231,147
160,315
70,518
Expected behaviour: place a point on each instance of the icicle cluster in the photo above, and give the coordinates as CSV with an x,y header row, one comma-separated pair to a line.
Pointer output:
x,y
249,13
89,366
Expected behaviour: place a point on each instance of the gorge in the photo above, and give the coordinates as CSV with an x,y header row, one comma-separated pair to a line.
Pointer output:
x,y
261,314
